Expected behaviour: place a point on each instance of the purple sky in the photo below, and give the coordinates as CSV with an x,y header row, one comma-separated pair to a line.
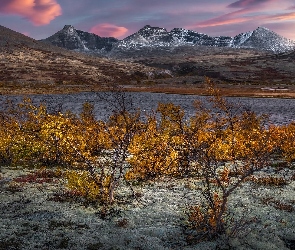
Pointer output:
x,y
120,18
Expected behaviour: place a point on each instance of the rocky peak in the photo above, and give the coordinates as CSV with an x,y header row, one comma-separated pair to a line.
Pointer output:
x,y
263,29
148,30
73,39
264,32
68,29
263,39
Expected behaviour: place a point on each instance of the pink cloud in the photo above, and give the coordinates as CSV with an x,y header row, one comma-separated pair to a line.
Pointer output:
x,y
39,12
229,18
247,3
250,10
282,17
217,22
108,30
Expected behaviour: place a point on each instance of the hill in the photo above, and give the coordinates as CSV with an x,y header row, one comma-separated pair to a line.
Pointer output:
x,y
31,63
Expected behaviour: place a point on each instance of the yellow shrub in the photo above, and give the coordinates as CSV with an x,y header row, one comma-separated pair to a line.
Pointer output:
x,y
288,141
93,189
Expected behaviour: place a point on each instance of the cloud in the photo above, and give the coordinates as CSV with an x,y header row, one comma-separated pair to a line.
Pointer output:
x,y
108,30
39,12
282,17
230,18
247,3
249,10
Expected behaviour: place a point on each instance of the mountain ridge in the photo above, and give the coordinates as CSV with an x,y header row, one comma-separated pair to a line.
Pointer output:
x,y
261,39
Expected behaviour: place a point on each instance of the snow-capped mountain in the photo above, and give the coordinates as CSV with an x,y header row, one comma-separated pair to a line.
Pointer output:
x,y
160,37
156,37
73,39
260,39
263,39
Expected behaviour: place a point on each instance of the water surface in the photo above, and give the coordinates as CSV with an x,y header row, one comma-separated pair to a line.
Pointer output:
x,y
280,111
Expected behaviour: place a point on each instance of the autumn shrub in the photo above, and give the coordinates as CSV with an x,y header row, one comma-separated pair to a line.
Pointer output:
x,y
6,134
19,128
59,135
228,145
34,137
106,151
287,144
204,219
92,188
222,145
159,148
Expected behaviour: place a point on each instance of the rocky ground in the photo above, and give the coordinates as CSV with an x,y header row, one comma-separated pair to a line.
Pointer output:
x,y
38,215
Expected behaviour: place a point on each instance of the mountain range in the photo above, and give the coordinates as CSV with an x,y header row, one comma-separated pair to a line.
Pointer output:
x,y
261,39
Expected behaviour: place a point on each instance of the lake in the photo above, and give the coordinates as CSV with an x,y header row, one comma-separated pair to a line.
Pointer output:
x,y
281,111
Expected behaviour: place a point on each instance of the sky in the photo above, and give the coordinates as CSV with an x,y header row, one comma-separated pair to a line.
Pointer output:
x,y
119,18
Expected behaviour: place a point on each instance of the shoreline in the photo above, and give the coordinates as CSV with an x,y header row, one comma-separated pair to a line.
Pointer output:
x,y
226,90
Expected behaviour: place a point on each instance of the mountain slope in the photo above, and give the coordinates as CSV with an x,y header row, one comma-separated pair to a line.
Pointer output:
x,y
25,60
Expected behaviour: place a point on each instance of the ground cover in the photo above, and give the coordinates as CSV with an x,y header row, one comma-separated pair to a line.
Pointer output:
x,y
33,216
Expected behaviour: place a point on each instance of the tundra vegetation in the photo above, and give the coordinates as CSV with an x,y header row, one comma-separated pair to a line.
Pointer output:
x,y
221,146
